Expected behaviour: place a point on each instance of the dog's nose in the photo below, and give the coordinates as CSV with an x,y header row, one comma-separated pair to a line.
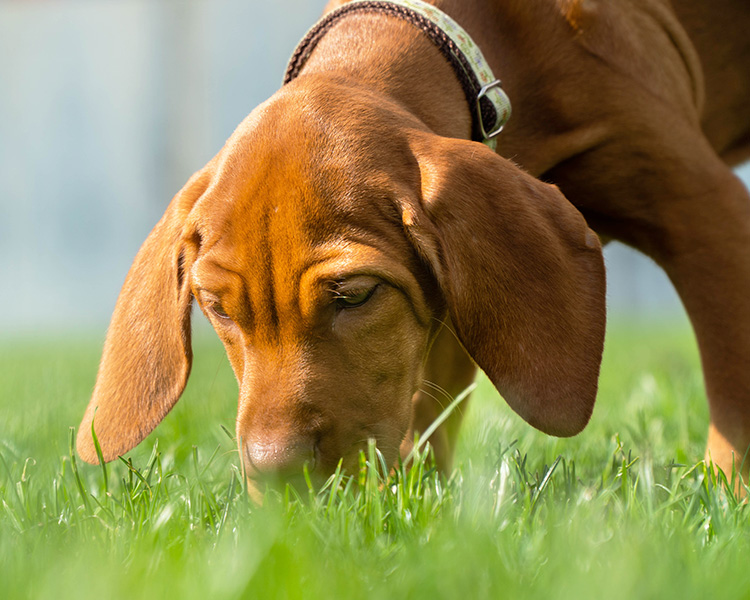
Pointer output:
x,y
282,459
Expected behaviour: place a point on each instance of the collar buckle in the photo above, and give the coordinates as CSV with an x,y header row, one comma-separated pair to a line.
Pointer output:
x,y
494,88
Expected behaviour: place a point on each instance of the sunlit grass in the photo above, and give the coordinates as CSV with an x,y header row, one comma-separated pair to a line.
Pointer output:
x,y
625,510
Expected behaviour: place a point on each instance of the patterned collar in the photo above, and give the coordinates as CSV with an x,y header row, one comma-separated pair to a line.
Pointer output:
x,y
488,102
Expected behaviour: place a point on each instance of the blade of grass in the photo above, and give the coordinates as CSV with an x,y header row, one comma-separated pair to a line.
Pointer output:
x,y
99,455
74,466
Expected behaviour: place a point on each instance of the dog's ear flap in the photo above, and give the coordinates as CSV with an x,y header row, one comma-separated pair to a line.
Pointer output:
x,y
522,275
147,354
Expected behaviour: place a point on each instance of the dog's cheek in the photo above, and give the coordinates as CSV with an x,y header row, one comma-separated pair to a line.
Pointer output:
x,y
232,342
388,359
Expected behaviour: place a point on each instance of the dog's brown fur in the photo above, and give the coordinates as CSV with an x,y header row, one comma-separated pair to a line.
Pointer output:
x,y
355,177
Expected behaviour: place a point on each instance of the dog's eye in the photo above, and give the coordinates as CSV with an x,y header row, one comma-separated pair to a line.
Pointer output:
x,y
355,298
218,310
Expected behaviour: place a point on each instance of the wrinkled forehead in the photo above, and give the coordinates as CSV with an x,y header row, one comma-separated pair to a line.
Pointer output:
x,y
296,176
326,136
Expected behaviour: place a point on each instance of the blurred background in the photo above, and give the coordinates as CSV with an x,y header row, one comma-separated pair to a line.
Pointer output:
x,y
106,109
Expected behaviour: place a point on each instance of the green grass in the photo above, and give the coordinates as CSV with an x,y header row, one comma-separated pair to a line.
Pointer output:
x,y
624,510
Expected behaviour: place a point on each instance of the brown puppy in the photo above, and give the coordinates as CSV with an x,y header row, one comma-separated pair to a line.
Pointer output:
x,y
348,229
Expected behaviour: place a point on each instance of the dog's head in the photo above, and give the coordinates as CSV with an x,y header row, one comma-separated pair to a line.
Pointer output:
x,y
326,243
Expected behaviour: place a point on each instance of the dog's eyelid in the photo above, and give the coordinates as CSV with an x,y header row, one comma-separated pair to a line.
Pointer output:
x,y
355,297
212,304
217,309
215,306
355,291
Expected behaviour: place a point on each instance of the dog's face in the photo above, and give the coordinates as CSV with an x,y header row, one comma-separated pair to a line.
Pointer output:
x,y
326,243
325,308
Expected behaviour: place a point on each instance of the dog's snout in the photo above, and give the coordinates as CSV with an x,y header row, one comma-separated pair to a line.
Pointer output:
x,y
280,458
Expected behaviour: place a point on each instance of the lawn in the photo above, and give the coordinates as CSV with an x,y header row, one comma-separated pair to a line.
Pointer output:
x,y
624,510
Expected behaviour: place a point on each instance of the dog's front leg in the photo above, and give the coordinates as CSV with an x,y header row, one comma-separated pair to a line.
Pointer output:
x,y
711,271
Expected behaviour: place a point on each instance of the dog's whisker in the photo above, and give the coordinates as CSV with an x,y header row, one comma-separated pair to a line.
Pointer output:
x,y
446,326
438,388
435,398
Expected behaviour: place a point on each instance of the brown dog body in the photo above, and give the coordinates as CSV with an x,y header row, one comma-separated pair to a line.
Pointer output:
x,y
347,234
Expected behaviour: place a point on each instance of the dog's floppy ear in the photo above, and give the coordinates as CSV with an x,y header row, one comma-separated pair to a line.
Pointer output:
x,y
522,275
147,354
